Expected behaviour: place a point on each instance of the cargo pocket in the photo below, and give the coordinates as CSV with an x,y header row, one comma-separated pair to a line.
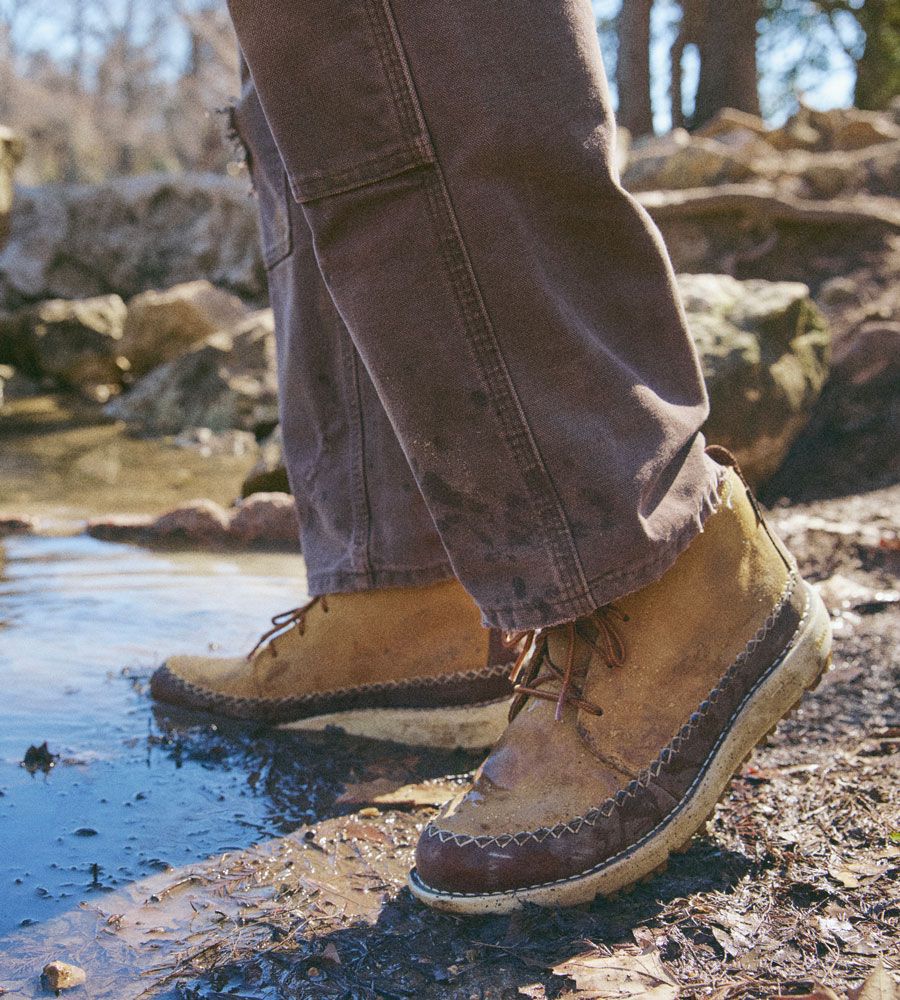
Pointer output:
x,y
337,90
270,182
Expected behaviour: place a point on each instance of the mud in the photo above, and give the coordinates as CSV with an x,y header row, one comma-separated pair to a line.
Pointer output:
x,y
287,875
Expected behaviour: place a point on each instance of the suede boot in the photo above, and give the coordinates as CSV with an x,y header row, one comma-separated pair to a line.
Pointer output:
x,y
629,723
411,665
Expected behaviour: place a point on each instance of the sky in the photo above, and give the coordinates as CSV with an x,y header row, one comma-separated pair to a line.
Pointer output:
x,y
821,90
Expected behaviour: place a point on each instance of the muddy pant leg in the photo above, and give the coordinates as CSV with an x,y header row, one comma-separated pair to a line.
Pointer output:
x,y
363,520
514,307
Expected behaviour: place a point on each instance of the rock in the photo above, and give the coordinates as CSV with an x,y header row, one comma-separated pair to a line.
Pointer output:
x,y
764,349
208,442
161,325
75,343
265,519
121,528
677,160
12,149
14,385
844,129
197,523
130,235
269,474
229,381
17,524
62,976
849,128
870,354
39,758
729,120
841,593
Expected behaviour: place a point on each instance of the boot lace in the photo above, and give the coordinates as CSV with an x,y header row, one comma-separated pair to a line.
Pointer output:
x,y
534,668
284,622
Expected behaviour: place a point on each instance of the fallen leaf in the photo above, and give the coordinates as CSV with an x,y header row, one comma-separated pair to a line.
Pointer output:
x,y
363,793
620,975
879,985
418,796
845,877
330,954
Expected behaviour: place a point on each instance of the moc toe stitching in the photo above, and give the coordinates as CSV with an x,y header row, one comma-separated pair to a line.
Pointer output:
x,y
649,783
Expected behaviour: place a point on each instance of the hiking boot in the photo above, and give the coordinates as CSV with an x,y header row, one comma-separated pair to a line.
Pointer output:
x,y
628,724
412,665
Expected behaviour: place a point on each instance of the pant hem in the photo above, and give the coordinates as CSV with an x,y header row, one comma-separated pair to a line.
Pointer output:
x,y
351,582
611,586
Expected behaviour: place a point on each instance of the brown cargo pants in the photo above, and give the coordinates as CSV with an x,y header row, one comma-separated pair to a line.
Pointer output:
x,y
484,364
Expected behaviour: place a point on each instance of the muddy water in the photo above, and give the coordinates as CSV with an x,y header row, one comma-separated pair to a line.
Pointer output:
x,y
62,461
82,623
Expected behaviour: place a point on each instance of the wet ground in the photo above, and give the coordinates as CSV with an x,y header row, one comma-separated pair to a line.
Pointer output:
x,y
175,857
81,624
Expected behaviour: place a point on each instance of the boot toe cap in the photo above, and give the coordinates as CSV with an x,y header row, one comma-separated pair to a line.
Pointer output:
x,y
452,863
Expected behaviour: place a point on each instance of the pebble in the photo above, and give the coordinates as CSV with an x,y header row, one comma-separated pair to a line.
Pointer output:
x,y
62,976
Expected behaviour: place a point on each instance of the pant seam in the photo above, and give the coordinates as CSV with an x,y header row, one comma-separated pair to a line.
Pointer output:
x,y
498,384
478,327
359,503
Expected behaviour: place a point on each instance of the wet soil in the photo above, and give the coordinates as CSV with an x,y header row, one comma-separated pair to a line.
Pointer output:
x,y
794,881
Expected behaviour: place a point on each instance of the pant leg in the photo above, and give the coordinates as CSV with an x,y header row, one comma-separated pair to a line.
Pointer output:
x,y
363,520
514,306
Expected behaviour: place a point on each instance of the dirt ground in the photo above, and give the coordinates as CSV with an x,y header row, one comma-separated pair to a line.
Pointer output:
x,y
794,882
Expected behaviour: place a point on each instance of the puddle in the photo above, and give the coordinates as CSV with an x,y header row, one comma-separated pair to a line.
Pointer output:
x,y
140,798
62,461
82,624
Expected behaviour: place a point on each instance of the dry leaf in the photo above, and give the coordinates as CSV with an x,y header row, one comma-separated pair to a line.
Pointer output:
x,y
620,975
879,985
845,877
417,796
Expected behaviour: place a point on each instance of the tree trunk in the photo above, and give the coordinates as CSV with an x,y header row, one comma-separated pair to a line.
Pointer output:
x,y
633,67
728,72
878,70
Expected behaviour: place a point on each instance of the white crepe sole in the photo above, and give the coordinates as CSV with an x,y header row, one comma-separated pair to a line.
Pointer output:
x,y
468,727
769,701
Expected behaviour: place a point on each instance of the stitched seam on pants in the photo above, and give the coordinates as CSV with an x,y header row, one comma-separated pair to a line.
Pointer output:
x,y
399,77
362,480
359,502
489,359
315,185
497,383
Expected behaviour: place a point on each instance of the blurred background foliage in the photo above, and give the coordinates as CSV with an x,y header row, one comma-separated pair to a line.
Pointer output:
x,y
101,88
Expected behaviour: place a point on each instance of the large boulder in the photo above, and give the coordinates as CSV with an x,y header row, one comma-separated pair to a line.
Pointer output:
x,y
130,235
76,344
228,381
843,129
678,160
160,325
11,150
764,348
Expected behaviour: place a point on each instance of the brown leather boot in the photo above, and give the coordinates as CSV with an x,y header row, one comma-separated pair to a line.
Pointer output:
x,y
629,724
412,665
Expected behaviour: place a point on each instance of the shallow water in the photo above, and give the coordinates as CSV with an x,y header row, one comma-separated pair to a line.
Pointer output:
x,y
82,624
62,461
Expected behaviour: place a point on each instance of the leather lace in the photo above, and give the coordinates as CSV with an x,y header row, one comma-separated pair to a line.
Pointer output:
x,y
284,622
534,668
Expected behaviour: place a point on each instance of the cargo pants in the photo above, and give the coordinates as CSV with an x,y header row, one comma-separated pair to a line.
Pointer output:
x,y
484,364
